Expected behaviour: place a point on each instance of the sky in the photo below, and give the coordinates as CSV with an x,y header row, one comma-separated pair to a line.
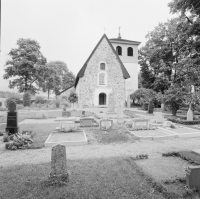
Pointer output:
x,y
68,30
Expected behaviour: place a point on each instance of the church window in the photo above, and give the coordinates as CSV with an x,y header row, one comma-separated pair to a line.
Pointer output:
x,y
102,79
119,50
102,66
130,51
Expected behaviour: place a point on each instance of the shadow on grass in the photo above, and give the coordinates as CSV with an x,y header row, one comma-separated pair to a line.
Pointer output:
x,y
91,178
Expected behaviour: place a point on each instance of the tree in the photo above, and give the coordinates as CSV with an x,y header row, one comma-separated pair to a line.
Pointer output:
x,y
57,78
27,99
73,97
26,67
174,98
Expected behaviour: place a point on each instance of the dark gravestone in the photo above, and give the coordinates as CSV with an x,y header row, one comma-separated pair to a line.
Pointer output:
x,y
12,119
66,114
86,122
193,177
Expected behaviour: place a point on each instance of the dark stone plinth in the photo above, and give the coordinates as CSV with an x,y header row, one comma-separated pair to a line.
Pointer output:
x,y
193,177
12,123
66,114
86,122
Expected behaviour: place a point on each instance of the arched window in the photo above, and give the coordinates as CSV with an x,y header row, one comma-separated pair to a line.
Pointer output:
x,y
102,99
102,79
119,50
102,66
130,51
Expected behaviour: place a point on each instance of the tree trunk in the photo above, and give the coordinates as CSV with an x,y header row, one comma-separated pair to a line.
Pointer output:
x,y
48,93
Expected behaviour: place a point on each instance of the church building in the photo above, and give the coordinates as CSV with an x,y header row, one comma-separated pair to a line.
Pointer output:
x,y
112,67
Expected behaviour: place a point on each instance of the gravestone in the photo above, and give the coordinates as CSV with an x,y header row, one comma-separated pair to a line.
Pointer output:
x,y
193,177
12,118
190,113
84,122
128,102
106,124
67,126
120,115
159,117
111,103
66,114
167,124
140,123
59,162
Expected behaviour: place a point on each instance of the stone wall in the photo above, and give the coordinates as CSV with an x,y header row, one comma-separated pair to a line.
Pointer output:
x,y
115,81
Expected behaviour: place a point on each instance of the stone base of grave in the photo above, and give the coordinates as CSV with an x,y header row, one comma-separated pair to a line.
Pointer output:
x,y
76,138
57,180
196,151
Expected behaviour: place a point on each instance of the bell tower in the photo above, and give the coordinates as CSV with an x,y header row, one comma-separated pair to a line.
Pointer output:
x,y
127,51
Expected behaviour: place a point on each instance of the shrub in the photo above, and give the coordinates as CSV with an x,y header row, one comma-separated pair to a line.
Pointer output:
x,y
57,103
178,120
73,97
39,100
27,99
20,141
16,99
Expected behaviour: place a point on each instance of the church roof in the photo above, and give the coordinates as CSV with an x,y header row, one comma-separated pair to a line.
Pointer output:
x,y
82,71
125,41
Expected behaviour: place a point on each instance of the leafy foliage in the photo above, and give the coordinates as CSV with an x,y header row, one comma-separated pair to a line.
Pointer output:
x,y
27,99
73,97
26,66
143,95
39,100
174,98
57,78
16,99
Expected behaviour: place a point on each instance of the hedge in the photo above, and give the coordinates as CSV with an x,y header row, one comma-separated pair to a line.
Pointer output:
x,y
184,121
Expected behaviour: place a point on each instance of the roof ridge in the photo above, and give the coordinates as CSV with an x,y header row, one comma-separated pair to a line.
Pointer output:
x,y
82,70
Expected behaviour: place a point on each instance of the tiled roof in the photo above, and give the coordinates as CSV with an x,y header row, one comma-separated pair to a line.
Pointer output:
x,y
82,71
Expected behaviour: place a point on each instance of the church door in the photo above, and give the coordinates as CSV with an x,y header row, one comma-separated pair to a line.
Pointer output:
x,y
102,99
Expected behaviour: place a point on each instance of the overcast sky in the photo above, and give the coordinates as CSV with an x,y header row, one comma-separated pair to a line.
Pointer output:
x,y
68,30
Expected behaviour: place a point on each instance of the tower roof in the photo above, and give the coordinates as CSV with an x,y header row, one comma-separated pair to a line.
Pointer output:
x,y
124,41
82,70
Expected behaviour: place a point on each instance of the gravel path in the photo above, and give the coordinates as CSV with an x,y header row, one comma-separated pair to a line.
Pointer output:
x,y
154,148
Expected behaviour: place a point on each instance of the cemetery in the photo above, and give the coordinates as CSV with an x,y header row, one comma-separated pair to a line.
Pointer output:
x,y
126,125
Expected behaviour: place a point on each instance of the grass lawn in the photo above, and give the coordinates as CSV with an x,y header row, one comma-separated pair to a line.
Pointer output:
x,y
41,132
90,178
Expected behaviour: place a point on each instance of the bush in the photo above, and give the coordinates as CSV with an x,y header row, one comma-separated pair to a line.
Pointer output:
x,y
179,121
20,141
16,99
39,100
57,103
27,99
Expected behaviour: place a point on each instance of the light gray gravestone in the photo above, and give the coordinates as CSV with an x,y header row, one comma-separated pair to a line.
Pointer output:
x,y
106,124
120,115
159,117
190,113
140,123
128,102
111,103
193,176
58,161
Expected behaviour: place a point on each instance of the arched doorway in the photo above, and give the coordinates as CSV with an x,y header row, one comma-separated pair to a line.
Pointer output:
x,y
102,99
